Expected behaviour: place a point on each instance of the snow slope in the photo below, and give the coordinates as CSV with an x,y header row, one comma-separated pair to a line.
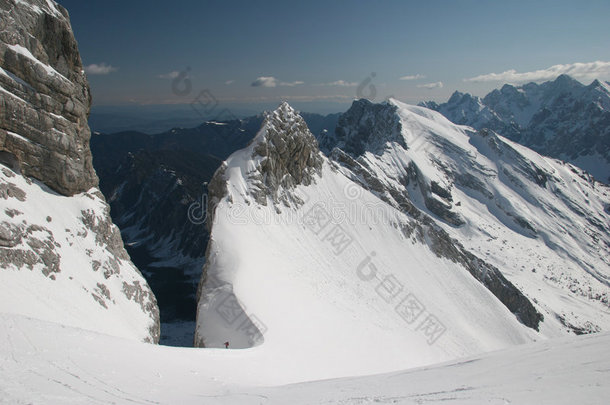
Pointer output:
x,y
542,222
46,363
60,262
323,293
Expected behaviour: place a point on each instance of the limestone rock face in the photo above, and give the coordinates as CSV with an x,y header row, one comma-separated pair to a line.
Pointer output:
x,y
45,98
288,152
61,258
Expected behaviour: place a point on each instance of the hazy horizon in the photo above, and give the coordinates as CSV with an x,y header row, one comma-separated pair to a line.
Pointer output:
x,y
325,54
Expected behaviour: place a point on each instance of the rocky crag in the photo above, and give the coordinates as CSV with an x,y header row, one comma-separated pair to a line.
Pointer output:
x,y
62,258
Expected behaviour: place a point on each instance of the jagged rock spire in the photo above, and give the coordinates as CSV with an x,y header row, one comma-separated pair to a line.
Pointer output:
x,y
289,151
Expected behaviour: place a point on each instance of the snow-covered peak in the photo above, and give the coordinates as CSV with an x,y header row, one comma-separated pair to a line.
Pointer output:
x,y
284,122
286,109
302,269
561,118
462,108
598,92
565,84
599,84
282,155
456,96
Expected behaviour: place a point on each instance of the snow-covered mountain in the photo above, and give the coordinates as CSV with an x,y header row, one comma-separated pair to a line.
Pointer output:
x,y
542,222
155,185
61,257
414,241
562,118
424,240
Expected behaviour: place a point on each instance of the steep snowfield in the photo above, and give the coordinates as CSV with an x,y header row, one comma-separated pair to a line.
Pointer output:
x,y
46,363
57,264
335,271
542,222
339,285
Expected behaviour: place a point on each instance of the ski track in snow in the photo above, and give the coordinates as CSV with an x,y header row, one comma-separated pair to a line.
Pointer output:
x,y
47,363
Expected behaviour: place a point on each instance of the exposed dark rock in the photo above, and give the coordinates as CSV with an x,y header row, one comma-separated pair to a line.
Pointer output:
x,y
48,91
37,250
10,190
290,155
144,296
366,127
441,192
10,235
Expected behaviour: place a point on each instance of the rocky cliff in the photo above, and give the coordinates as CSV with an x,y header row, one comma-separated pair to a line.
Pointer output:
x,y
45,98
62,259
287,154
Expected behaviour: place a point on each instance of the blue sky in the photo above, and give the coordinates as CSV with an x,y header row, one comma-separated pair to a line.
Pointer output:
x,y
321,51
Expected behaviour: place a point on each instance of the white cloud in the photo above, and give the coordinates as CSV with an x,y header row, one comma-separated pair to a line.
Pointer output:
x,y
265,81
291,84
170,75
340,83
229,82
435,85
270,81
101,69
413,77
589,71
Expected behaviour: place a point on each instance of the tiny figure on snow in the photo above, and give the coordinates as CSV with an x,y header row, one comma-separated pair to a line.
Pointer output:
x,y
226,345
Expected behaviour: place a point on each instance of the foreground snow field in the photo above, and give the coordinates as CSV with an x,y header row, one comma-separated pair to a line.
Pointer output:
x,y
46,363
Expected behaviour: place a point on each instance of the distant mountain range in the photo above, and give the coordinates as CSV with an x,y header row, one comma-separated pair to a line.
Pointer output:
x,y
563,119
156,119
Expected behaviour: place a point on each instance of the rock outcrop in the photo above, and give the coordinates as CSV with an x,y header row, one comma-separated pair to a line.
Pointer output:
x,y
61,257
364,127
45,99
287,154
